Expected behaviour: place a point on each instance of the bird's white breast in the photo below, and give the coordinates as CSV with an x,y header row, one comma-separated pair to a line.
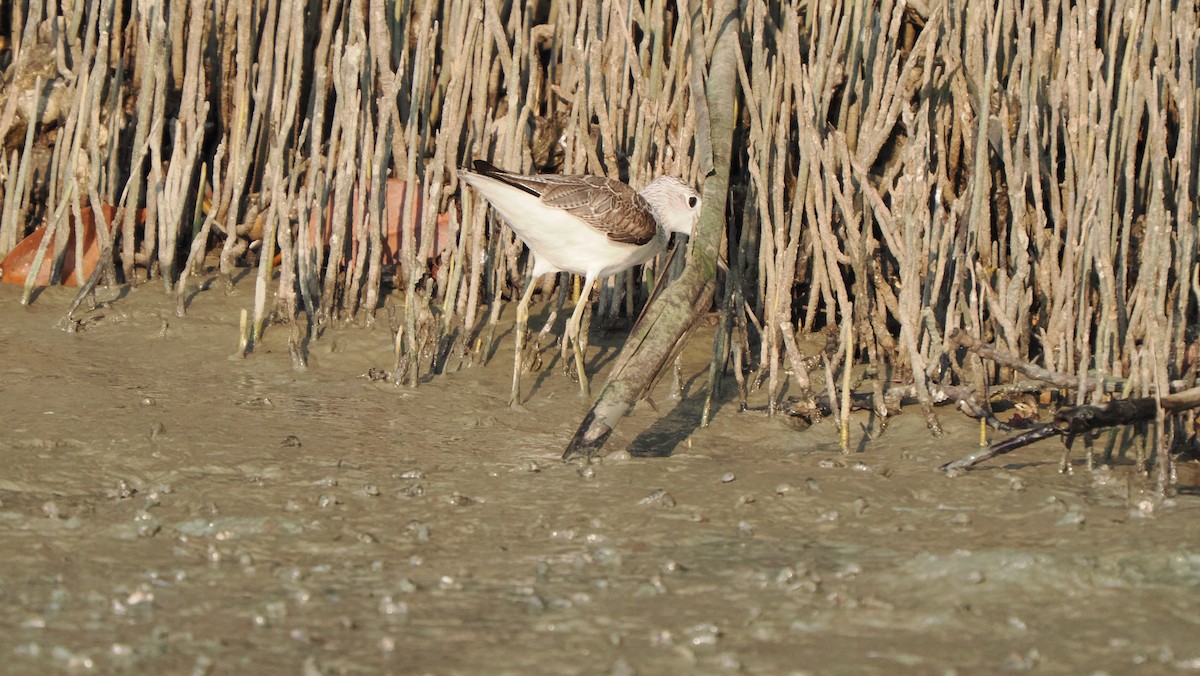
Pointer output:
x,y
560,241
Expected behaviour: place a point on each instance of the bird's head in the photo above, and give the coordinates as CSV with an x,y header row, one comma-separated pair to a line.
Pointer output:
x,y
676,206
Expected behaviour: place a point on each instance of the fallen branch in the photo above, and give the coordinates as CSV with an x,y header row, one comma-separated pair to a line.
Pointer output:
x,y
669,319
988,351
1182,400
1076,420
1072,421
866,401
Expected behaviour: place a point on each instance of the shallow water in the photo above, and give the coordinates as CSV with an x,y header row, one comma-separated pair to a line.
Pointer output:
x,y
165,508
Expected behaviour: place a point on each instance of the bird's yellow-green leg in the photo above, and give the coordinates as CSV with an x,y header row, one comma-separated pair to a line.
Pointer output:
x,y
534,348
568,335
574,333
520,331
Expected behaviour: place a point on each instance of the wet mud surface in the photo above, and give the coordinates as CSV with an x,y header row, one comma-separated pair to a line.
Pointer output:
x,y
165,508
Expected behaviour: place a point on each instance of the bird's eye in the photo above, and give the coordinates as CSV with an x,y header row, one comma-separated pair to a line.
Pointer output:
x,y
693,201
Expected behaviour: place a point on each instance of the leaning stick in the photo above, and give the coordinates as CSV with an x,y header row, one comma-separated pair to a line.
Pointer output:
x,y
988,351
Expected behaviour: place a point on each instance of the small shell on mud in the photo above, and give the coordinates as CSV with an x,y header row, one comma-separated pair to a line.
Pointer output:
x,y
653,587
390,606
849,571
51,510
147,525
728,477
1144,508
607,556
158,429
72,661
729,662
785,575
459,500
1018,662
376,375
1073,517
704,634
658,497
419,530
123,491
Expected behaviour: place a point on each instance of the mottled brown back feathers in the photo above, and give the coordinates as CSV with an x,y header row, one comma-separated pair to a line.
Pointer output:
x,y
608,206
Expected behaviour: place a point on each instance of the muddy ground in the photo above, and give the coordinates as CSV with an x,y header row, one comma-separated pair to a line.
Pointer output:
x,y
165,508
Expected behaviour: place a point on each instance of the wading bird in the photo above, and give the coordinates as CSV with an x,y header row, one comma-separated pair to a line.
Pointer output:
x,y
586,225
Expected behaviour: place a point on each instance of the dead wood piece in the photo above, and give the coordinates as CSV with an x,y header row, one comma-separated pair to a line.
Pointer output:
x,y
1001,447
671,318
1068,422
988,351
1079,419
1182,400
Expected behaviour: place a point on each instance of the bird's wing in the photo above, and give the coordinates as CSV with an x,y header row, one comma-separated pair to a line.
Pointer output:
x,y
608,206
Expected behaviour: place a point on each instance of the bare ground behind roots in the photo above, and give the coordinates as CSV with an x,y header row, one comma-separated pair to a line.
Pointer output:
x,y
164,507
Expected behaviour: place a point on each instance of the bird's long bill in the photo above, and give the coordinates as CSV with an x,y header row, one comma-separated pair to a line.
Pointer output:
x,y
659,284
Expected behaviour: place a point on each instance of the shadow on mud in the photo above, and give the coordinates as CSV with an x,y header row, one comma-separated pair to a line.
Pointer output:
x,y
660,439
